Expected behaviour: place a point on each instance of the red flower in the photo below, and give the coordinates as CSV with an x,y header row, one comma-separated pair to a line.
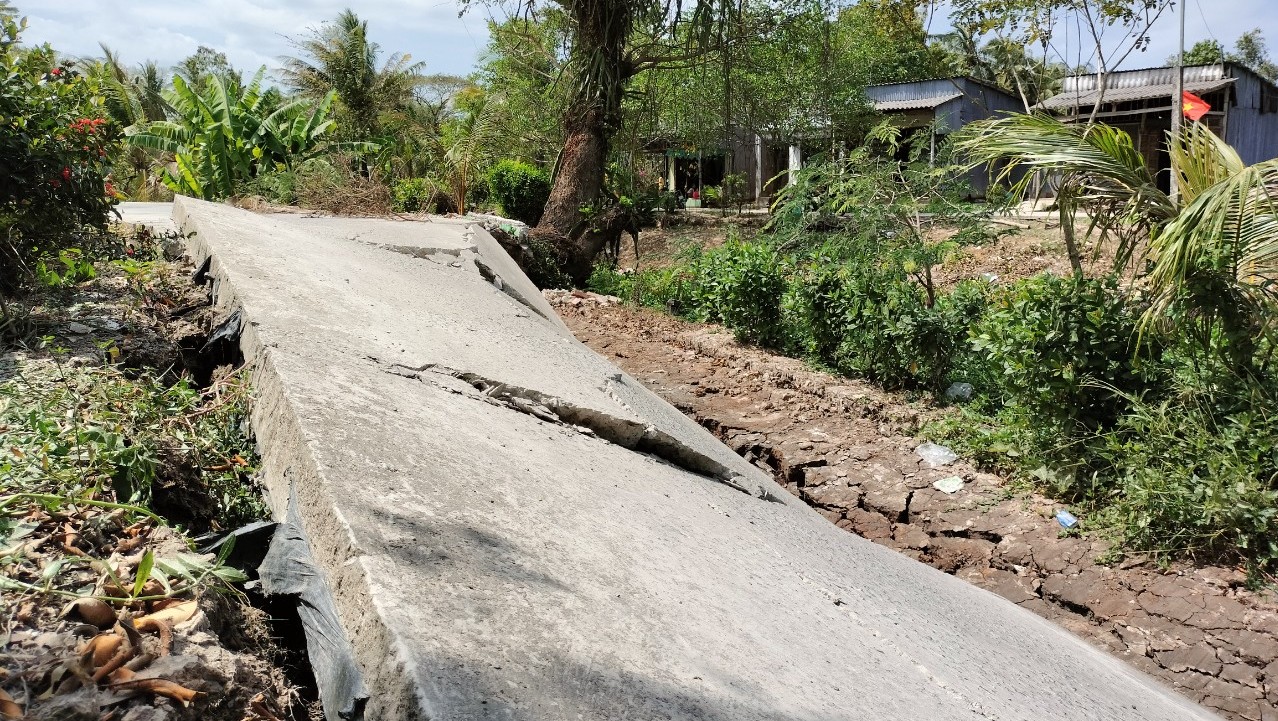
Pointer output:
x,y
55,72
66,173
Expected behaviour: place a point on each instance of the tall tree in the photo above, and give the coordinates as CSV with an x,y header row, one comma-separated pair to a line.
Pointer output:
x,y
1250,50
1101,34
612,41
1204,52
339,57
525,75
205,61
1104,34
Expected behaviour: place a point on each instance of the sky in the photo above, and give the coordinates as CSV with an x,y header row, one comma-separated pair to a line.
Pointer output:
x,y
1224,20
256,32
253,32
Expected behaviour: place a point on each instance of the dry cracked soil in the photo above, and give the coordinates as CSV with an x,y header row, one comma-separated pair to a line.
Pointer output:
x,y
850,451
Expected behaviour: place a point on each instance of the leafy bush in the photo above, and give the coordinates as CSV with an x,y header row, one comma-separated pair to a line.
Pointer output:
x,y
663,288
520,189
607,280
741,285
127,438
865,316
1194,482
226,135
413,195
56,146
1069,351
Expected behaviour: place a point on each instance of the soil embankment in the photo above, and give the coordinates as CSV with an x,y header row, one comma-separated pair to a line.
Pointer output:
x,y
848,450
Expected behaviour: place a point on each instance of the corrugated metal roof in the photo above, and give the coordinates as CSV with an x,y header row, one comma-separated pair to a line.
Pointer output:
x,y
928,103
1127,92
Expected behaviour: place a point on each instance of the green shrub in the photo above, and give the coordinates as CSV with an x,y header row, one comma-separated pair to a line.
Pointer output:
x,y
740,284
663,288
607,280
863,316
1068,350
56,148
1190,481
413,195
520,189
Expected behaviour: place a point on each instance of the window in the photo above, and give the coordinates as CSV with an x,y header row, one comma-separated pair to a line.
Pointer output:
x,y
1268,99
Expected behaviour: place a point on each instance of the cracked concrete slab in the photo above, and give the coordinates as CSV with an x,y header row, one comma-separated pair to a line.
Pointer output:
x,y
493,554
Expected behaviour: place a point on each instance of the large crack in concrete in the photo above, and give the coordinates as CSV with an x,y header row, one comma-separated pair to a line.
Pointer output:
x,y
458,258
638,437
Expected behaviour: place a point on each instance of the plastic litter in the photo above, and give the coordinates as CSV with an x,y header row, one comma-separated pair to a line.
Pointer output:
x,y
959,392
1066,519
290,569
951,485
937,455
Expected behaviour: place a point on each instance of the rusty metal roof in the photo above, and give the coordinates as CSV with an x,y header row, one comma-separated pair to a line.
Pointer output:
x,y
1145,84
1087,98
927,103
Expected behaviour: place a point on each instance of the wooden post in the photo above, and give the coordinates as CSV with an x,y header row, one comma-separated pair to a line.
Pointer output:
x,y
1178,95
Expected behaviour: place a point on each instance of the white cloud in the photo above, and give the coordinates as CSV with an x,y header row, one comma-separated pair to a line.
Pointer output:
x,y
253,32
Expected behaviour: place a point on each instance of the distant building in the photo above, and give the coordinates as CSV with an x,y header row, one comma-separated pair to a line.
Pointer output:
x,y
765,163
945,105
1244,108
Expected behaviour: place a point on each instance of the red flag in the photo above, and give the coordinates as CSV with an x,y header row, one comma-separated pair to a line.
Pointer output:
x,y
1195,107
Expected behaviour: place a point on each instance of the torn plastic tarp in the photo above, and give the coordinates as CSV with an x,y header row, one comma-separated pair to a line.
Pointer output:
x,y
228,331
290,569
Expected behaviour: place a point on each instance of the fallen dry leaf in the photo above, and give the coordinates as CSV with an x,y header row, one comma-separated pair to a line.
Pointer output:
x,y
121,651
163,628
93,610
172,613
160,687
9,708
102,648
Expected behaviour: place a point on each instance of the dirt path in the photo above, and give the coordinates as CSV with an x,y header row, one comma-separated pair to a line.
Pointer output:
x,y
848,449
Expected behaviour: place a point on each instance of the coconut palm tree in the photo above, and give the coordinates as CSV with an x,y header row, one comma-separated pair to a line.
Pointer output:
x,y
134,98
339,57
1213,248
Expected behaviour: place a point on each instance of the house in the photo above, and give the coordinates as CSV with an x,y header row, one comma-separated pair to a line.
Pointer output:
x,y
938,105
1244,108
941,105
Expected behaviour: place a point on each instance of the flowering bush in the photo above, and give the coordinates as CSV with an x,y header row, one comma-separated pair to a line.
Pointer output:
x,y
57,151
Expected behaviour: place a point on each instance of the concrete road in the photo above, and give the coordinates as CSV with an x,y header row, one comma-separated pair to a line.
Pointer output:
x,y
514,529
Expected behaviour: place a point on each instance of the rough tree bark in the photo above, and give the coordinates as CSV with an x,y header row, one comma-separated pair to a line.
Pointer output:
x,y
602,30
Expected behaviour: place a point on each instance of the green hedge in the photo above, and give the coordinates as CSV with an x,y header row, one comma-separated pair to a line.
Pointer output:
x,y
520,189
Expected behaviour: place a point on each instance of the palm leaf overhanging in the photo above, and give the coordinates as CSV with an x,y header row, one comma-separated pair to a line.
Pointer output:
x,y
1213,249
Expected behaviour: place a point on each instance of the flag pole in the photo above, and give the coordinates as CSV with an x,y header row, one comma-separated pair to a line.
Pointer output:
x,y
1178,94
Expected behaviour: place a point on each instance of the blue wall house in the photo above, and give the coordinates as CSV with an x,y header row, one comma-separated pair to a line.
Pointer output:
x,y
942,106
1244,108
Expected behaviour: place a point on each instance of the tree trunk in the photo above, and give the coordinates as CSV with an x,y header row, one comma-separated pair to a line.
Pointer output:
x,y
1071,239
599,53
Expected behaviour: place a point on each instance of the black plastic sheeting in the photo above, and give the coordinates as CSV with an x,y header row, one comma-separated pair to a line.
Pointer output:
x,y
228,332
290,569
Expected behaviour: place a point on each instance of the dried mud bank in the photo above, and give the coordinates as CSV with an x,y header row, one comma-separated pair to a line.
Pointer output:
x,y
847,450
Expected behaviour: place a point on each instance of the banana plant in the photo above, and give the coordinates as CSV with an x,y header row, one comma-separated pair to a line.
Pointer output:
x,y
224,134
